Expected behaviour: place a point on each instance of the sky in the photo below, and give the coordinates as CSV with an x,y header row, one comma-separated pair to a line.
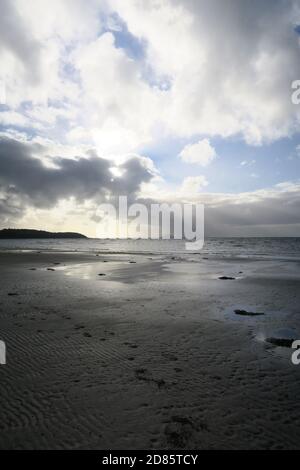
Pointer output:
x,y
159,100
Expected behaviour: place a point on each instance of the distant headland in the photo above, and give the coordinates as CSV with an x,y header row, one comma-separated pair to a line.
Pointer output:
x,y
10,233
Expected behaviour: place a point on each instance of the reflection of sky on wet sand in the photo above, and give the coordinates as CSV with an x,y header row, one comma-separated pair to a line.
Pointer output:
x,y
114,272
92,272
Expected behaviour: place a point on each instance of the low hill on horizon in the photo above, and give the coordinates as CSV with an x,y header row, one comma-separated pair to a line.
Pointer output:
x,y
11,233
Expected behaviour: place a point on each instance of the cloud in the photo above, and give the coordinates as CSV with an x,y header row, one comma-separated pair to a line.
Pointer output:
x,y
61,56
201,153
202,45
269,212
272,211
17,42
27,182
248,162
36,42
120,107
192,185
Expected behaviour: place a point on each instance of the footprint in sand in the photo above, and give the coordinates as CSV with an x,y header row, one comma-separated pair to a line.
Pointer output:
x,y
144,374
87,335
131,345
179,432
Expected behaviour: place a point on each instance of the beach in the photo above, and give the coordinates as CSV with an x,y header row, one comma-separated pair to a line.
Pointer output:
x,y
146,351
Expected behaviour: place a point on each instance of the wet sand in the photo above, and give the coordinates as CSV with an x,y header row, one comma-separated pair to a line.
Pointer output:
x,y
147,352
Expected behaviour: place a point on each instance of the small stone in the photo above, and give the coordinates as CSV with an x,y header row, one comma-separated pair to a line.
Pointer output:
x,y
283,342
249,314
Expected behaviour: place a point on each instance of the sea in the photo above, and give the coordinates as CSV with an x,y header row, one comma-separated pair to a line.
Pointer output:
x,y
266,248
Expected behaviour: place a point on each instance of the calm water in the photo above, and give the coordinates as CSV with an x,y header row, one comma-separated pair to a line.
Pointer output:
x,y
275,248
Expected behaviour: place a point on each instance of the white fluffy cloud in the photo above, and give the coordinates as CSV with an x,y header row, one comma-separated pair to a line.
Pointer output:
x,y
231,63
247,162
201,153
209,68
192,185
119,106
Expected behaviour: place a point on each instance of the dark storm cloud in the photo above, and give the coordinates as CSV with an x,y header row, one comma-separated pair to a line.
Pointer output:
x,y
274,207
24,177
273,213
